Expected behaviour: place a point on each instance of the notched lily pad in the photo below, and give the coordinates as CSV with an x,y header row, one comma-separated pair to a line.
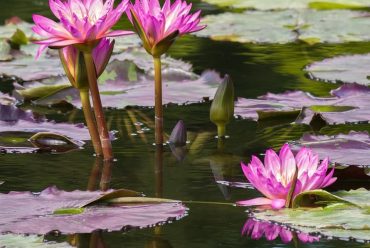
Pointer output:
x,y
128,81
288,25
344,69
345,149
338,219
350,104
25,212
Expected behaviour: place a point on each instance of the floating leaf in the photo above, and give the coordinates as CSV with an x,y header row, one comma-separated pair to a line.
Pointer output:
x,y
19,38
338,220
55,142
350,103
344,69
5,51
25,212
285,26
29,241
346,149
289,4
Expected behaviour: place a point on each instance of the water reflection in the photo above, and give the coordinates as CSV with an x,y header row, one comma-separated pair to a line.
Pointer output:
x,y
259,229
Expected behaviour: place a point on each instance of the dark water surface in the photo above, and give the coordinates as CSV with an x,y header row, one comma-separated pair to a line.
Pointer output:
x,y
255,69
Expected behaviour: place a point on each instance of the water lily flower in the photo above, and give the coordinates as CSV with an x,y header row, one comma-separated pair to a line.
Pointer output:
x,y
258,229
159,27
74,65
178,136
81,22
275,178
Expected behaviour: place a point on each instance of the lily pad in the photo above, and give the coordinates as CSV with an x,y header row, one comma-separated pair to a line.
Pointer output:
x,y
25,212
29,241
345,149
289,4
342,69
338,220
5,51
285,26
350,104
128,81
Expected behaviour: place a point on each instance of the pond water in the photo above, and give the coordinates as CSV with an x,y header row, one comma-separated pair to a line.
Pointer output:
x,y
255,70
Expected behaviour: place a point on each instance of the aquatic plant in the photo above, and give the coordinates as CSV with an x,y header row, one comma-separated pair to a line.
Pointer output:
x,y
258,229
284,176
222,108
158,28
83,24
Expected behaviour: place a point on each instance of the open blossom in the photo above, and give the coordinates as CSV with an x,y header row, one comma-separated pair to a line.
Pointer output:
x,y
81,22
258,229
71,56
274,178
162,25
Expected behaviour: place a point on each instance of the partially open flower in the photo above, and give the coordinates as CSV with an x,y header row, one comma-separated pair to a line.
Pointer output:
x,y
81,22
275,177
74,63
159,27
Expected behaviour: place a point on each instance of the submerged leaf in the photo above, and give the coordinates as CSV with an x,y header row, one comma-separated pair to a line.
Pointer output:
x,y
25,212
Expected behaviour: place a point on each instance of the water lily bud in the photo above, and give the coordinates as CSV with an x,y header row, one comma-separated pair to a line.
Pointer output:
x,y
222,108
178,136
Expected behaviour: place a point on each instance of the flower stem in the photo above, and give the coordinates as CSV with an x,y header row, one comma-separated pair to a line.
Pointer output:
x,y
89,117
221,131
98,108
158,102
289,199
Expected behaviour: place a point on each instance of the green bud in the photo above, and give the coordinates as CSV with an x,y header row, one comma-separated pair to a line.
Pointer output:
x,y
222,108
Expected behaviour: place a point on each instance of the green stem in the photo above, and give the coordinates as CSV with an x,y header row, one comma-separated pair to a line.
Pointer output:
x,y
98,108
158,102
91,125
221,131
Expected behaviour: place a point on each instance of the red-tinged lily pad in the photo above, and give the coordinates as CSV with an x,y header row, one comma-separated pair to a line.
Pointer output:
x,y
345,149
344,69
81,211
349,104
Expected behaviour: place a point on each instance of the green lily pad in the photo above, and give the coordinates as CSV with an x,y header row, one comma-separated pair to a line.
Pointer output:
x,y
285,26
289,4
5,51
346,214
29,241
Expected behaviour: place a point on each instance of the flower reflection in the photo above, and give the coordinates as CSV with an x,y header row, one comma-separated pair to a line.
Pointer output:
x,y
258,229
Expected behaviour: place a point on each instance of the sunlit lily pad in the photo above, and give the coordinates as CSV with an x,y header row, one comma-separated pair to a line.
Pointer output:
x,y
129,81
29,241
289,4
338,220
25,212
344,69
285,26
6,31
5,51
345,149
350,103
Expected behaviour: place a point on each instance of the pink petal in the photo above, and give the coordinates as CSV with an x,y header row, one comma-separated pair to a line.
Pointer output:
x,y
278,203
288,166
255,202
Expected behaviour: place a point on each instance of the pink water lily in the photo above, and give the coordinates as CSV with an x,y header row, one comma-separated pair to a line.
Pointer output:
x,y
258,229
158,26
81,22
101,55
275,177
